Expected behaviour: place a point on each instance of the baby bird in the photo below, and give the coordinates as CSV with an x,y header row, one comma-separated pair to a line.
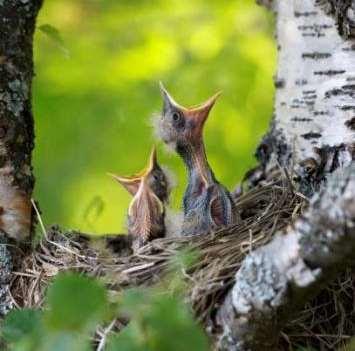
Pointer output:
x,y
146,213
207,204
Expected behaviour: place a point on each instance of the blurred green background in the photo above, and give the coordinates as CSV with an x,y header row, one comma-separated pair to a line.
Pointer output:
x,y
95,93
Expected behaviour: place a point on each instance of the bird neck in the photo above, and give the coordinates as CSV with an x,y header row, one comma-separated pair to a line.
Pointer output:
x,y
194,156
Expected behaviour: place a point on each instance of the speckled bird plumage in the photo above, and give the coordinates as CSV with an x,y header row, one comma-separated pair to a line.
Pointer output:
x,y
207,204
146,213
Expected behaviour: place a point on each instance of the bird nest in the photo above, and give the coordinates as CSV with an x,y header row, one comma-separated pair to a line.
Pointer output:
x,y
325,323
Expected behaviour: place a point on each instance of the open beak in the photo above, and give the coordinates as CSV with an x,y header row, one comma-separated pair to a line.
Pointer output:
x,y
168,101
132,183
201,112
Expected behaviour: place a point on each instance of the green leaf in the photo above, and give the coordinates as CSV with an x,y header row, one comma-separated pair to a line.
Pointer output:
x,y
159,322
54,34
134,301
172,327
20,324
75,303
129,339
66,341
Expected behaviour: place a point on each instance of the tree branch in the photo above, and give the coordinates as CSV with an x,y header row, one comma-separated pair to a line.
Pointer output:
x,y
277,279
17,26
16,122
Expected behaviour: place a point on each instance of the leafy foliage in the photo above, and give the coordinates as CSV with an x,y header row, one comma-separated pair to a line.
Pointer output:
x,y
158,322
76,305
21,323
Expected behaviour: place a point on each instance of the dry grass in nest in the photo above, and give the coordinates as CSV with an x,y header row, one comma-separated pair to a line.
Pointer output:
x,y
265,210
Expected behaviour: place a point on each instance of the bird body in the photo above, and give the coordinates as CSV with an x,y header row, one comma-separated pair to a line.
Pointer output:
x,y
207,204
146,213
145,216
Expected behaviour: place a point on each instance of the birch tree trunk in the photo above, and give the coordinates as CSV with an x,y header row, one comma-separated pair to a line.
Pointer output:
x,y
17,24
312,133
313,127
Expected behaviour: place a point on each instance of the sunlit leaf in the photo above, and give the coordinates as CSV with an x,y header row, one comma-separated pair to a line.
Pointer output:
x,y
74,303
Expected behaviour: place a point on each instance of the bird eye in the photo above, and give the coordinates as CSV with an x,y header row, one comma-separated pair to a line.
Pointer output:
x,y
178,120
176,116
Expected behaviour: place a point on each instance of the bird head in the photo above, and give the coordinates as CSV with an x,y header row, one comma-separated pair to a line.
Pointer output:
x,y
181,126
151,178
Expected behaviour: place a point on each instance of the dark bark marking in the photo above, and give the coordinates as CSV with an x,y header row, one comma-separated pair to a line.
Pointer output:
x,y
345,90
298,119
347,107
310,103
314,30
316,55
331,157
273,143
343,11
312,172
313,35
310,97
349,87
350,123
301,82
311,135
328,72
305,14
279,83
306,92
321,113
314,26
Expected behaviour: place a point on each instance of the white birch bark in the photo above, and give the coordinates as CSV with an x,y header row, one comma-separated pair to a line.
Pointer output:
x,y
312,132
314,124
